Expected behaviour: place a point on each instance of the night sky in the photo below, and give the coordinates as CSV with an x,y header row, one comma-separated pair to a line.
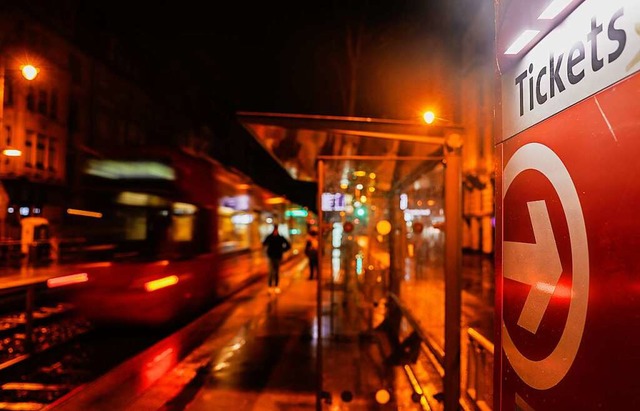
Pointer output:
x,y
285,57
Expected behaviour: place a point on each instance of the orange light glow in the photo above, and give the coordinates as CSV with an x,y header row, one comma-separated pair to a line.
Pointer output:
x,y
67,280
563,291
161,283
275,200
162,263
360,173
84,213
158,366
100,264
164,354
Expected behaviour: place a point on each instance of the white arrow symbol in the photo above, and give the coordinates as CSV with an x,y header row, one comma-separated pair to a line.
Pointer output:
x,y
537,265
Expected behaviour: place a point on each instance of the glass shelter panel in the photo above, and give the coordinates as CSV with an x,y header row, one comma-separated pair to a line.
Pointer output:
x,y
381,233
421,210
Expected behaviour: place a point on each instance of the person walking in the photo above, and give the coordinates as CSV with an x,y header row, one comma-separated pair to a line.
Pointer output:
x,y
276,246
311,251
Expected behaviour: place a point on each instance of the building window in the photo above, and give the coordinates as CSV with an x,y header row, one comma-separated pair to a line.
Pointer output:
x,y
53,110
42,102
8,91
31,100
28,148
52,160
40,151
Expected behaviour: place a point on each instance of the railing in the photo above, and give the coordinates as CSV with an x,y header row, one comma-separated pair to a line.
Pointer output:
x,y
479,385
418,342
477,394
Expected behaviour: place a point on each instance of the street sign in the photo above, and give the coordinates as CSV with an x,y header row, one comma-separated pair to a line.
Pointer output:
x,y
567,223
333,202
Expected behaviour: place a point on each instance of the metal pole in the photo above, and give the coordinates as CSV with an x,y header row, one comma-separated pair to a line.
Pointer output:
x,y
394,285
453,274
320,171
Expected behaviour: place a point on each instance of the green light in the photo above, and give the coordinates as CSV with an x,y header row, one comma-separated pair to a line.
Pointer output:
x,y
296,213
360,212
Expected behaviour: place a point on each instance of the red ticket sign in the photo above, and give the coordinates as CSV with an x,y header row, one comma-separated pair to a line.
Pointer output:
x,y
567,266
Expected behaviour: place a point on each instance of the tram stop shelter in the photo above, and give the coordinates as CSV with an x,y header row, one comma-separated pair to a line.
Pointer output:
x,y
390,224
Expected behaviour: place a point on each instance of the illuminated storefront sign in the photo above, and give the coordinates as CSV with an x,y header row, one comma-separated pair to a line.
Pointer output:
x,y
296,212
130,170
242,219
240,202
417,212
333,202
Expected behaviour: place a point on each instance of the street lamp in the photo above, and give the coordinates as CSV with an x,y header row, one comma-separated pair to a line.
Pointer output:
x,y
11,152
429,117
29,71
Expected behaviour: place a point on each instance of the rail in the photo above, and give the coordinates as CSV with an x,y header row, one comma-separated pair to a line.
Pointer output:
x,y
478,388
418,342
479,384
20,289
428,346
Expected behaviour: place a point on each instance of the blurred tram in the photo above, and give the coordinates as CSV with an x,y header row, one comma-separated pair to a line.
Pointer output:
x,y
159,234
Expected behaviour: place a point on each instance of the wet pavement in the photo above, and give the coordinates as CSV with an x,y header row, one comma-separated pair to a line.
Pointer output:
x,y
263,352
422,292
264,357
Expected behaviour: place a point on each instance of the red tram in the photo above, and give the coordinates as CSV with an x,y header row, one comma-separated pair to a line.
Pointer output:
x,y
161,233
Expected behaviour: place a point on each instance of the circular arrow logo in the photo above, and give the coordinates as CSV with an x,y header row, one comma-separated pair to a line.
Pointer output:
x,y
538,265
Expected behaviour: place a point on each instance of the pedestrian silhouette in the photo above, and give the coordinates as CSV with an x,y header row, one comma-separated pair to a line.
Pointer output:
x,y
276,246
311,251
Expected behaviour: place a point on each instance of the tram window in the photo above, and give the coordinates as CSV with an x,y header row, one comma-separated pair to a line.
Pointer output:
x,y
183,222
233,230
183,228
135,225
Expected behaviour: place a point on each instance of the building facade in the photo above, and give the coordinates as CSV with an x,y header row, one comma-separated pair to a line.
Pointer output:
x,y
477,116
81,103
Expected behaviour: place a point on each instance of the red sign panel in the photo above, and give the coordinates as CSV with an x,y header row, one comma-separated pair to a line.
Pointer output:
x,y
567,266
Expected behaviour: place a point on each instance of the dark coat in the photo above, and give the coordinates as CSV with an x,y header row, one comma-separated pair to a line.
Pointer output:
x,y
276,245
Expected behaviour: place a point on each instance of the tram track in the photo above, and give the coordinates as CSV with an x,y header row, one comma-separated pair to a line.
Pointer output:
x,y
69,352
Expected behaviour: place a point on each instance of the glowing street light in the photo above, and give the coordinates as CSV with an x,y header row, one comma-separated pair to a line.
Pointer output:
x,y
429,117
29,72
11,152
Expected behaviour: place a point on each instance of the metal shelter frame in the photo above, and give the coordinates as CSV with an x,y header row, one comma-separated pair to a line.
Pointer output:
x,y
449,138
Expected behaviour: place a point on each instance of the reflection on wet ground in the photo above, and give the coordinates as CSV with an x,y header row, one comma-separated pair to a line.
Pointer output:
x,y
271,359
422,291
263,357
